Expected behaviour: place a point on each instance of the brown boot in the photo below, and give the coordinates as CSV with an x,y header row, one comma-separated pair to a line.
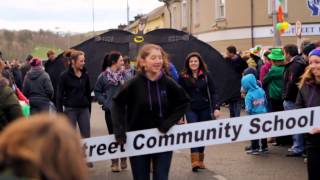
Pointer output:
x,y
115,165
201,159
123,163
195,162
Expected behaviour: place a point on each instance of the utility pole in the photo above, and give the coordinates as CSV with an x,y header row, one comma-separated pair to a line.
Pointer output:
x,y
191,16
93,33
128,11
252,24
276,37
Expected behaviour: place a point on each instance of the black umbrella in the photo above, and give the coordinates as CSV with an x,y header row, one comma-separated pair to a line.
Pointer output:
x,y
176,43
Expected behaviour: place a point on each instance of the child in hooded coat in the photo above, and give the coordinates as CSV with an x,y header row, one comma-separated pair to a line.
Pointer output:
x,y
255,103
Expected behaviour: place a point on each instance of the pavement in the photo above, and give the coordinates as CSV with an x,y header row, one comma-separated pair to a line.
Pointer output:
x,y
223,162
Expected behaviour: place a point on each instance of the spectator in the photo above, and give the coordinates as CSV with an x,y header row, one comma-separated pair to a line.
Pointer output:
x,y
37,87
44,147
266,66
273,83
255,103
239,65
10,108
54,68
16,72
26,66
294,68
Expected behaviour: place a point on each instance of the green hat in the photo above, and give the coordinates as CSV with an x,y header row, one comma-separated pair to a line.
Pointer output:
x,y
276,54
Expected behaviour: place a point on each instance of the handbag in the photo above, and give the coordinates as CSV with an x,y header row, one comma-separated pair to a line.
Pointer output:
x,y
209,96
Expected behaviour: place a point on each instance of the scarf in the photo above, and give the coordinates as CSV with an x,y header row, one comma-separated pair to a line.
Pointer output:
x,y
115,78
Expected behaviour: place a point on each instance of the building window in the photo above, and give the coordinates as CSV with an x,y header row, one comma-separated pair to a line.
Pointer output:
x,y
272,4
220,9
184,14
196,16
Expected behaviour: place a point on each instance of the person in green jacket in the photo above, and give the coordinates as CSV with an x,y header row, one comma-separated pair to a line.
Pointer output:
x,y
273,82
10,108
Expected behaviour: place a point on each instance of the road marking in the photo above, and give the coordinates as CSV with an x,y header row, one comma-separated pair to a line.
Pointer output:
x,y
219,177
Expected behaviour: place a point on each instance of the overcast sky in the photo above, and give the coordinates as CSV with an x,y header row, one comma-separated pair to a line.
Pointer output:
x,y
70,15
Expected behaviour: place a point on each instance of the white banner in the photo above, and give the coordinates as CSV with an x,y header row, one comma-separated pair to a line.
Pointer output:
x,y
204,134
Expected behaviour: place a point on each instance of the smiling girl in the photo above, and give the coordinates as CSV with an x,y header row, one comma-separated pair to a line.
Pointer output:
x,y
150,100
309,96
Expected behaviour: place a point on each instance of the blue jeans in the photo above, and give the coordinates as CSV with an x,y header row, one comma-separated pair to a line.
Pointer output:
x,y
298,139
80,116
235,108
198,116
161,162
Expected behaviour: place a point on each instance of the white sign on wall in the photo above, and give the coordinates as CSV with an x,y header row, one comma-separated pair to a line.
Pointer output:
x,y
259,32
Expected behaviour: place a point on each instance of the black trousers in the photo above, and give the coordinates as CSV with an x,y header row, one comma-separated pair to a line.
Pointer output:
x,y
313,164
107,117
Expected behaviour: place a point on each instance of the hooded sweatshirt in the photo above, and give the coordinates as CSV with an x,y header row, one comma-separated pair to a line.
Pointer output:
x,y
255,99
144,104
274,82
292,72
238,65
37,84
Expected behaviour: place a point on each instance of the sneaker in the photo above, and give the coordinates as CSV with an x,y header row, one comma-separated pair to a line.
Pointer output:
x,y
264,150
290,150
253,152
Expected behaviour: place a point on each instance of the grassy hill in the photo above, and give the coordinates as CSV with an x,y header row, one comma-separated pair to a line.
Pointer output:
x,y
41,51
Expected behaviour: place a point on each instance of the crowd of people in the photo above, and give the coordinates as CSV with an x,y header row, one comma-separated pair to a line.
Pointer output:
x,y
152,94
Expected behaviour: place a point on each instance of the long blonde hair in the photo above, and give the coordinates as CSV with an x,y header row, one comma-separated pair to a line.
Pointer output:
x,y
145,51
42,147
307,76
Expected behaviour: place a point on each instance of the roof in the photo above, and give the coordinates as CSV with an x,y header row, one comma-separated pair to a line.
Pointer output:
x,y
154,14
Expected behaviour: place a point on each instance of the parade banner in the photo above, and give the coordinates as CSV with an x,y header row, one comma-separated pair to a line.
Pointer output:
x,y
204,134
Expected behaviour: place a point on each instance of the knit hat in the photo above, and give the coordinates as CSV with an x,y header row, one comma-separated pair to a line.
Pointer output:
x,y
315,52
308,48
251,63
276,54
34,62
